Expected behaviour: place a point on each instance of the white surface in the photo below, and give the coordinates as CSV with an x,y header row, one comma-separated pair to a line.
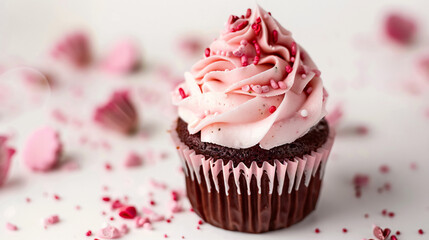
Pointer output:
x,y
343,37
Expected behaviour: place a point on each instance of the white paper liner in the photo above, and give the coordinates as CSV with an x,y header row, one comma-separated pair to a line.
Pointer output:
x,y
294,169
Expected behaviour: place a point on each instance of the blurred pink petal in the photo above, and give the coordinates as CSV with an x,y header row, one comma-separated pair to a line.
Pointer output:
x,y
118,113
123,58
74,49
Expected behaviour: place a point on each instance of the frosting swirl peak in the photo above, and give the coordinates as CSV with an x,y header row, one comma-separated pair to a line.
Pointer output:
x,y
255,86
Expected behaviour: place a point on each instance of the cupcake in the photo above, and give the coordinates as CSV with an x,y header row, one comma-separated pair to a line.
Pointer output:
x,y
251,132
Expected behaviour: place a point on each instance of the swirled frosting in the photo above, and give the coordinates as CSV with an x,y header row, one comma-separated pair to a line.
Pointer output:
x,y
254,86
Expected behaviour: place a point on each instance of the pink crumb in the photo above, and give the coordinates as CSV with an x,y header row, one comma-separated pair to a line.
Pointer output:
x,y
384,169
123,58
109,232
361,180
11,227
42,150
400,28
6,154
133,160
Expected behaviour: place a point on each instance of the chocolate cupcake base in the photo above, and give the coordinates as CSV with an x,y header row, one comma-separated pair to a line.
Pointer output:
x,y
254,212
255,196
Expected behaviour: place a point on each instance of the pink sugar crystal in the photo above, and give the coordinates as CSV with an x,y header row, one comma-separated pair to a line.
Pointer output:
x,y
51,220
11,227
42,150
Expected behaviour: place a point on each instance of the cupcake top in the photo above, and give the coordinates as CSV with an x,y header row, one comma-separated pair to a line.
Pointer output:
x,y
255,85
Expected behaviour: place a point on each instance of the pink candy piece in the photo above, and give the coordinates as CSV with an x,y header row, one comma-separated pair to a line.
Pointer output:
x,y
109,232
54,219
6,154
11,227
123,58
74,48
140,221
133,160
175,207
400,28
42,150
118,113
124,229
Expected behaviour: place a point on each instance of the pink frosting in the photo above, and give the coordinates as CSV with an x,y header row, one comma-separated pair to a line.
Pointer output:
x,y
255,86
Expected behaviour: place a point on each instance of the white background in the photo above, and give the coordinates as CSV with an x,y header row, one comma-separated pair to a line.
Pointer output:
x,y
359,67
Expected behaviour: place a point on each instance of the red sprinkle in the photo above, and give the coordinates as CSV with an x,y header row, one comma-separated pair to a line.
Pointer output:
x,y
200,222
128,212
366,215
421,231
384,169
317,230
182,93
384,212
57,197
393,237
152,203
107,166
275,36
165,236
248,12
391,214
272,109
106,199
168,220
207,52
345,230
89,233
240,26
232,19
398,233
288,69
293,49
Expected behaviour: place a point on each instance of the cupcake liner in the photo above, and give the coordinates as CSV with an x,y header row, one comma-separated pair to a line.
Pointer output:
x,y
253,199
296,169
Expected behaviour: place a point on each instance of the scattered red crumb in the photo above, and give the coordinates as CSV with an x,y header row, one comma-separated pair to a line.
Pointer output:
x,y
198,227
384,212
191,210
400,28
182,93
361,180
317,230
112,219
89,233
28,200
11,227
56,197
391,214
421,231
165,236
168,220
393,237
152,203
413,166
384,169
77,207
107,166
366,215
200,222
106,199
345,230
398,233
362,130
